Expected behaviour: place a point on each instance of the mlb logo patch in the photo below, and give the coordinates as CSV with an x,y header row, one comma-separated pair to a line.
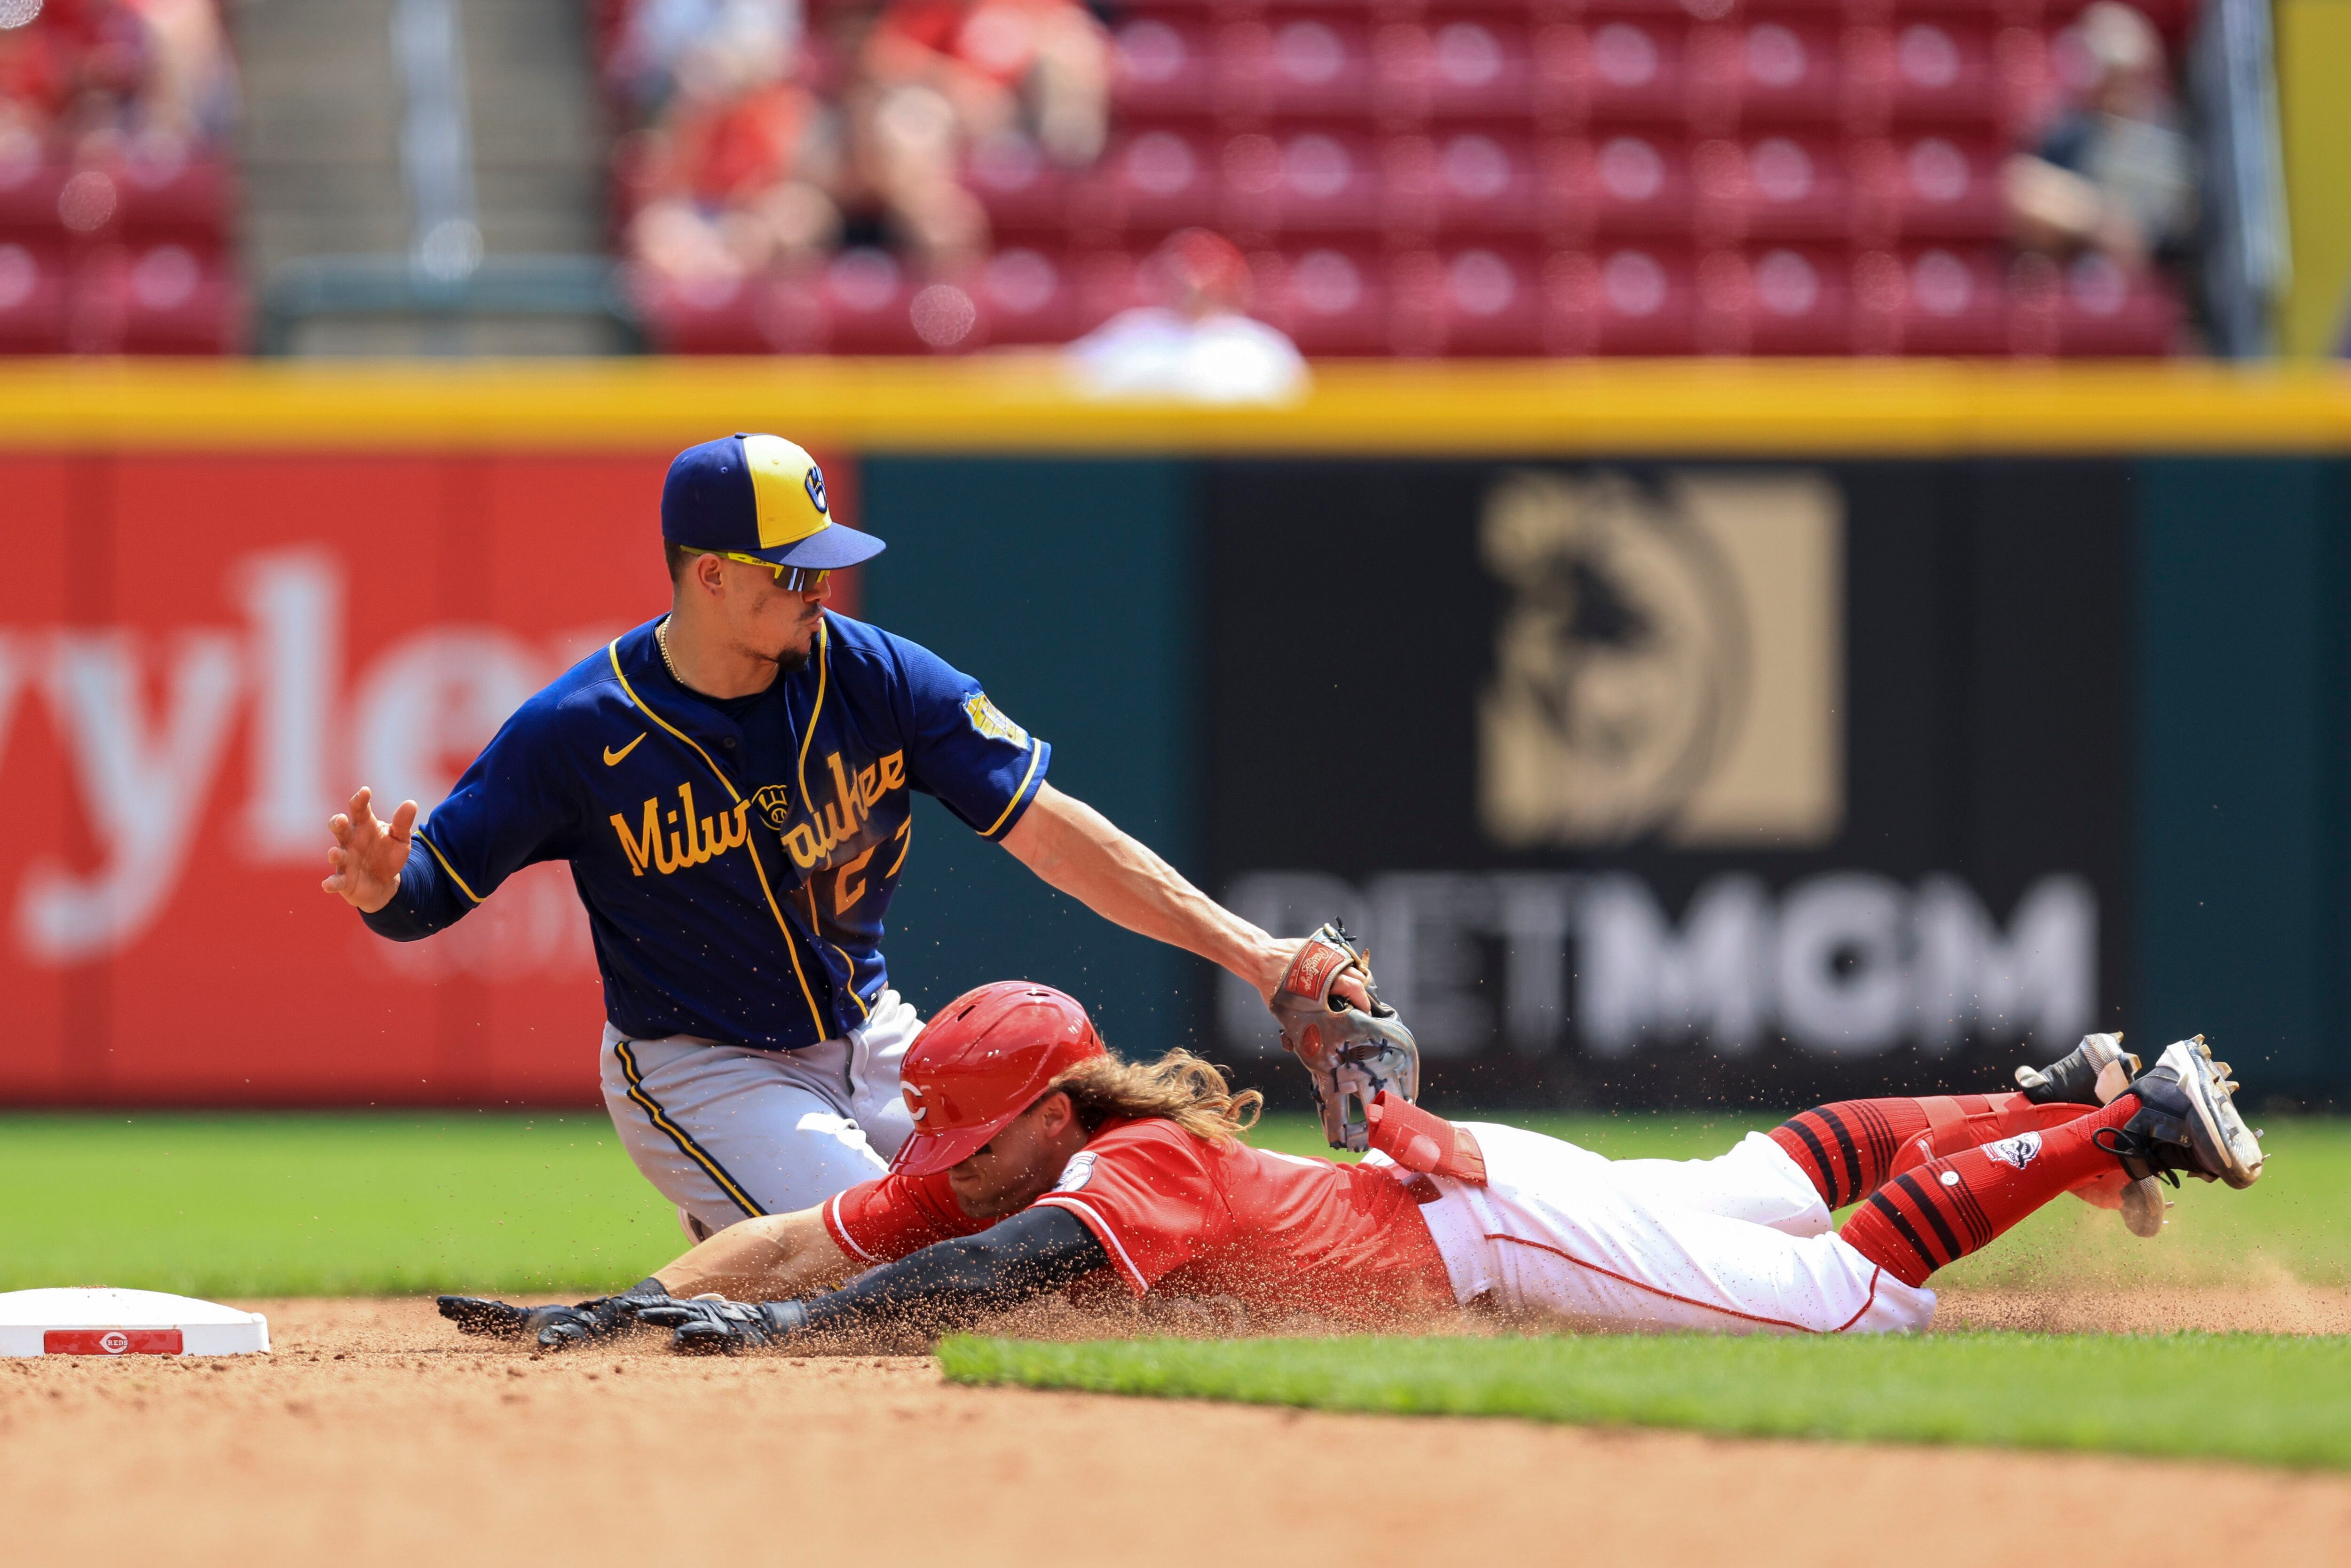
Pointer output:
x,y
1077,1173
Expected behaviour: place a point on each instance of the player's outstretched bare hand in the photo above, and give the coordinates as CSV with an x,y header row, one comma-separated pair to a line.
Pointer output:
x,y
367,851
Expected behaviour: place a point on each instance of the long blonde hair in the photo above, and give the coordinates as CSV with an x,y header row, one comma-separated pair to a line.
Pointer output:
x,y
1189,1092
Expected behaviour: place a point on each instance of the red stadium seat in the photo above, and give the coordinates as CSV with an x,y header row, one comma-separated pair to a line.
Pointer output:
x,y
2105,312
1467,179
163,299
1790,68
165,195
1624,299
1329,299
1470,64
1936,184
1025,192
1314,181
869,299
1316,65
33,298
1942,71
1160,177
1792,300
1934,300
1625,181
29,190
1029,297
1794,186
1481,300
1622,68
703,316
1163,65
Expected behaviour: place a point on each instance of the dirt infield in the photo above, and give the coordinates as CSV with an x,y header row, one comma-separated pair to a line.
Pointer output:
x,y
375,1436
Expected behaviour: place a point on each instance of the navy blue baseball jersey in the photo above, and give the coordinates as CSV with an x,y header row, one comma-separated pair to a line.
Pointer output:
x,y
736,859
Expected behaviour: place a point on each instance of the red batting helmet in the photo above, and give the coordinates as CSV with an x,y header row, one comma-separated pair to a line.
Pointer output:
x,y
987,1057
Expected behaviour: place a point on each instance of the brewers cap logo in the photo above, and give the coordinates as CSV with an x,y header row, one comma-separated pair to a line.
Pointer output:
x,y
775,805
815,482
989,720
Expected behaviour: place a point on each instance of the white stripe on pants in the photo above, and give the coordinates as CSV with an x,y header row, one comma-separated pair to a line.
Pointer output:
x,y
726,1133
1735,1243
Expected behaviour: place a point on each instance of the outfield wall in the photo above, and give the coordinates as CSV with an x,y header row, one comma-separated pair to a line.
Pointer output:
x,y
1676,732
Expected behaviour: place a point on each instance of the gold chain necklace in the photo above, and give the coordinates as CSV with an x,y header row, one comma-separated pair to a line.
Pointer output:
x,y
661,641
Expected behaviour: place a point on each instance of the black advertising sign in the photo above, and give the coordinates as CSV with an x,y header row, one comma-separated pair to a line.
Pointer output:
x,y
1681,782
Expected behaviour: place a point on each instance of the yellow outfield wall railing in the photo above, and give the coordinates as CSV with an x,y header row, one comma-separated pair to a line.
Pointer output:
x,y
1021,404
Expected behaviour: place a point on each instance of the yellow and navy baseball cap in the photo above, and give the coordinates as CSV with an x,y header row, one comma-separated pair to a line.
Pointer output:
x,y
757,496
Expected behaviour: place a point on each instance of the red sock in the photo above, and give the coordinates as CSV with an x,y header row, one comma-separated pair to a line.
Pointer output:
x,y
1850,1149
1948,1208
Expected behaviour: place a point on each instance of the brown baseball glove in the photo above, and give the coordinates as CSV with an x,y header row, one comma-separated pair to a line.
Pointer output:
x,y
1350,1054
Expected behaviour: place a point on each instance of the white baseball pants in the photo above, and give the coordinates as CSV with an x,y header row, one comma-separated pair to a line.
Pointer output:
x,y
727,1133
1737,1244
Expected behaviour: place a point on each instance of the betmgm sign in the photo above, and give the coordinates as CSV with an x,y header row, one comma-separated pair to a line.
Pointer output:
x,y
1692,765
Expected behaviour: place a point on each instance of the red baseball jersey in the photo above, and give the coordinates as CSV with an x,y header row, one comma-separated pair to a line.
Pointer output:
x,y
1192,1216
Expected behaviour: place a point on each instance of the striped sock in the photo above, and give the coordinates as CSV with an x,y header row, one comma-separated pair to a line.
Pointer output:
x,y
1851,1147
1948,1207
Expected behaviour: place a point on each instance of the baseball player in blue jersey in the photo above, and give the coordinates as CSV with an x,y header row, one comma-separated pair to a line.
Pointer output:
x,y
732,786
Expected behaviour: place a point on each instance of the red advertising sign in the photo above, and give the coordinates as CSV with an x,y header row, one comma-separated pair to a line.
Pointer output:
x,y
200,658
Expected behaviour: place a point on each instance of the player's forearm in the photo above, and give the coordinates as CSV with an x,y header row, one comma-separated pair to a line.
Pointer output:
x,y
770,1258
1078,851
950,1283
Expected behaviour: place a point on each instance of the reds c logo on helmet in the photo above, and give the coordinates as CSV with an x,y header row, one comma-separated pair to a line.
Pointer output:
x,y
985,1058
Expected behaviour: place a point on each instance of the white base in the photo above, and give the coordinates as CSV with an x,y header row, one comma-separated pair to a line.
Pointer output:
x,y
104,1322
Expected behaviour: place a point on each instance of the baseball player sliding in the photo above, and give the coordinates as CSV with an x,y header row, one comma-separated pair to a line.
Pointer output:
x,y
1039,1161
731,785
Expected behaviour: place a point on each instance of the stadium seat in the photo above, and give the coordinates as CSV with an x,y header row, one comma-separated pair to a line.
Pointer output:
x,y
1482,300
1465,64
1621,299
163,299
2104,311
869,299
1625,181
1330,300
1942,71
1159,177
1025,192
1029,297
1935,300
32,296
1616,69
29,191
166,195
1163,65
1935,184
1316,179
1463,179
1794,186
1315,64
1790,299
703,316
1790,68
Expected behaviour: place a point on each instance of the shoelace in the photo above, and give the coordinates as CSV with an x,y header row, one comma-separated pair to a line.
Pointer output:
x,y
2130,1146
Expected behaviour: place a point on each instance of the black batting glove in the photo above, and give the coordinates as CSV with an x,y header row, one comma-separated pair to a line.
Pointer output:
x,y
555,1327
725,1327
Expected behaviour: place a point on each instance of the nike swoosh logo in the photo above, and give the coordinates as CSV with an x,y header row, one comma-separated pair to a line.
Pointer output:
x,y
612,758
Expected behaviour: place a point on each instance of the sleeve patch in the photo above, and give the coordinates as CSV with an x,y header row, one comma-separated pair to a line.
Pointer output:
x,y
1077,1173
989,720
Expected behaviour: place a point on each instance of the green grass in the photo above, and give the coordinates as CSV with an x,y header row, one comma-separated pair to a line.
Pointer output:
x,y
252,1205
267,1204
2260,1398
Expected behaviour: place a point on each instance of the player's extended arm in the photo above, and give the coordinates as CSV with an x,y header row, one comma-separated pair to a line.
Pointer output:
x,y
948,1283
1083,853
767,1258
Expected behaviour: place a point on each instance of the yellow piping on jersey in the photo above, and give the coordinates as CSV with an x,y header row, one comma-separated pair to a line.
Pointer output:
x,y
1036,755
905,831
823,669
437,855
791,950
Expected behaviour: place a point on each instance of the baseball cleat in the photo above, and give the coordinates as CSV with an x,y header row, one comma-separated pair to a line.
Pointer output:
x,y
2091,1074
2186,1121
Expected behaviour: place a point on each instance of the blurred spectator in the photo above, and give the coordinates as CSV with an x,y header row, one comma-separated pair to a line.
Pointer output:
x,y
735,170
935,75
95,79
1199,345
2115,174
